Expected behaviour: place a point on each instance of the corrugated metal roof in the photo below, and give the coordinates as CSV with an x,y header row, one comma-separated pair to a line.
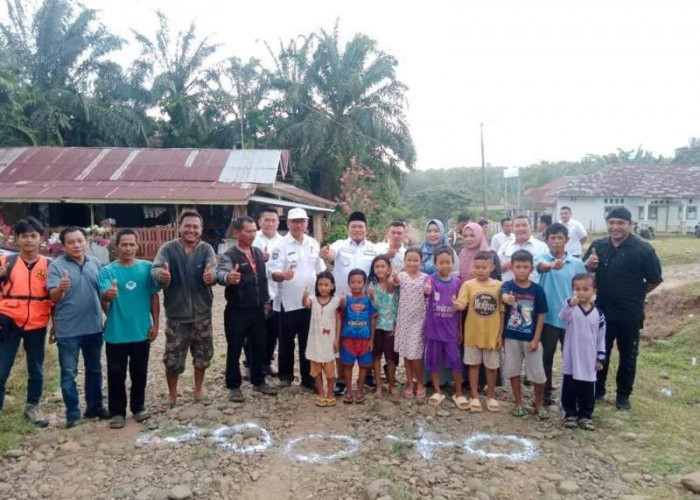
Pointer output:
x,y
661,181
149,175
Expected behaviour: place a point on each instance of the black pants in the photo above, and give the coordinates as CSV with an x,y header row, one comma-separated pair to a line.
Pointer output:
x,y
272,323
626,333
550,336
577,398
244,324
292,324
120,357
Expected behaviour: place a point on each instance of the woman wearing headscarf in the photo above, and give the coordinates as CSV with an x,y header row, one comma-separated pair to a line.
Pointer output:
x,y
435,237
474,241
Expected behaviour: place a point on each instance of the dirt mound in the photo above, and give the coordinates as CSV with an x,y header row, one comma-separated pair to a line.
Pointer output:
x,y
666,310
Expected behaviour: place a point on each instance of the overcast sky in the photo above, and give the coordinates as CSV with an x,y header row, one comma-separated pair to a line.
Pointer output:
x,y
550,80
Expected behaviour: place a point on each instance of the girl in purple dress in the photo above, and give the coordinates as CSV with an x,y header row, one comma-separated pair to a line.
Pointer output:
x,y
442,328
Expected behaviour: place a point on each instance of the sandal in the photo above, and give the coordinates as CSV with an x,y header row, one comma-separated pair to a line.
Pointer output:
x,y
330,401
518,411
492,405
586,424
348,399
408,393
570,422
360,398
460,402
421,393
436,399
475,405
321,401
541,414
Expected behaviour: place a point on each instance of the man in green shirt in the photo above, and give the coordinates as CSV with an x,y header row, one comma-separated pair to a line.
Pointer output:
x,y
132,306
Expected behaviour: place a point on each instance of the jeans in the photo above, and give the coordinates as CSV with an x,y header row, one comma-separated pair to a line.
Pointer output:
x,y
34,343
68,350
294,323
131,357
627,335
243,324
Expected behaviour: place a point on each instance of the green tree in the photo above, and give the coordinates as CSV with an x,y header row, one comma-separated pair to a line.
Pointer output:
x,y
688,155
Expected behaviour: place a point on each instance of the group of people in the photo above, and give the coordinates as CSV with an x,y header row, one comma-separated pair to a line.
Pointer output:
x,y
470,313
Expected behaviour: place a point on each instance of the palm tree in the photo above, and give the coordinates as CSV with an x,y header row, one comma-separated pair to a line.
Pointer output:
x,y
182,82
58,56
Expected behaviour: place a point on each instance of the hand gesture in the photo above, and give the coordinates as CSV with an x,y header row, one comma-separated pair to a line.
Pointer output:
x,y
428,287
234,277
534,345
573,301
558,264
509,298
325,253
391,252
112,291
289,273
598,366
165,277
592,261
371,292
266,255
209,276
65,282
152,333
456,304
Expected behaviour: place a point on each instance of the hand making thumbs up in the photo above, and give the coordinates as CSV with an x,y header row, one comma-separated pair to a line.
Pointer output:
x,y
234,277
165,277
370,292
112,291
456,304
209,276
65,281
266,255
509,298
427,288
592,262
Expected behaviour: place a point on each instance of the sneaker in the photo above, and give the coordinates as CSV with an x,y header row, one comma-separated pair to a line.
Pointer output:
x,y
622,402
141,416
32,413
339,388
285,383
526,382
235,395
265,389
117,422
100,413
548,400
370,383
72,423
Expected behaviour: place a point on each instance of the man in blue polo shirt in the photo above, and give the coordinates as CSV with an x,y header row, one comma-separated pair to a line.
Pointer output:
x,y
557,270
73,286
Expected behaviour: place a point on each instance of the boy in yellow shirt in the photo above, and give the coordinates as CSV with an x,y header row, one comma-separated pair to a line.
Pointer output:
x,y
480,296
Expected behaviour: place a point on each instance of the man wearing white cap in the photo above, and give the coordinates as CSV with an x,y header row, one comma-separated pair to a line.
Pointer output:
x,y
294,268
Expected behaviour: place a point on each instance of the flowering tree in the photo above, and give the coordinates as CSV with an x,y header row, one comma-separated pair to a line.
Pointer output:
x,y
358,190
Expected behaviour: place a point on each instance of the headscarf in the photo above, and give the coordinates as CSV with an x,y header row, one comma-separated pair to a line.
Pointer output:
x,y
428,250
466,256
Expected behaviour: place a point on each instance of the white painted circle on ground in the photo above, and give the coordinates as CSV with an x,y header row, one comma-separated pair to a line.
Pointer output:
x,y
529,451
352,446
222,434
177,434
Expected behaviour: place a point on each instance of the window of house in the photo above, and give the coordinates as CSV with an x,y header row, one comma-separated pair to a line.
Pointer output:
x,y
653,213
692,212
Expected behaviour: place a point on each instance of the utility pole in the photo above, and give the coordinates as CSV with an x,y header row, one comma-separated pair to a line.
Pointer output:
x,y
483,172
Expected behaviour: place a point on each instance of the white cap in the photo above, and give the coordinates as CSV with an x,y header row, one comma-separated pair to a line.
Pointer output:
x,y
297,213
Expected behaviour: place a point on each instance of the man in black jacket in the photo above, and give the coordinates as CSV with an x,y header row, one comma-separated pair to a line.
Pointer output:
x,y
242,271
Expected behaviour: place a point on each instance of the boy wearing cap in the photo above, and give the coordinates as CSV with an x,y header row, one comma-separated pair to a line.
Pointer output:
x,y
294,269
626,269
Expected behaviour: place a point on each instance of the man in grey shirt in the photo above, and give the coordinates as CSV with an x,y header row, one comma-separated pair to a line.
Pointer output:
x,y
185,269
73,285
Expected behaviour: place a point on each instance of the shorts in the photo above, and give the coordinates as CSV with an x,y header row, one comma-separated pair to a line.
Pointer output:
x,y
352,350
384,344
476,355
327,368
515,352
181,337
439,355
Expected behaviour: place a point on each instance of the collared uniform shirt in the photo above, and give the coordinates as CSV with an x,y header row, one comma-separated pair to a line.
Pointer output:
x,y
348,256
307,264
261,241
557,285
576,233
622,275
397,261
509,247
498,240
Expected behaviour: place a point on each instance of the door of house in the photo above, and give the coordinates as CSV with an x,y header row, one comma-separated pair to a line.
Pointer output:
x,y
661,221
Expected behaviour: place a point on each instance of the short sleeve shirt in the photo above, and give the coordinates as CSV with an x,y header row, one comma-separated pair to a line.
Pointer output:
x,y
557,285
622,275
272,244
357,318
397,262
521,319
387,305
484,308
129,314
348,256
510,246
576,233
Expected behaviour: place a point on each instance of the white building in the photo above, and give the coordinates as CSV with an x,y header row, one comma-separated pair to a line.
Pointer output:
x,y
664,197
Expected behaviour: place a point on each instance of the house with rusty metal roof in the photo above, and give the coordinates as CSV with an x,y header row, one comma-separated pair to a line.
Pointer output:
x,y
665,197
147,187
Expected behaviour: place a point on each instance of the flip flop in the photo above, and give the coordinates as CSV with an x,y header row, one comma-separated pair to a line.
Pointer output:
x,y
421,393
348,399
360,398
518,411
394,392
330,402
408,393
436,399
321,401
460,402
492,405
475,405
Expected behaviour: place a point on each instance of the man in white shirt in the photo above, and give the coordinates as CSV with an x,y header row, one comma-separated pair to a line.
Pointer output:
x,y
522,230
294,267
354,252
394,247
268,240
577,233
505,234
